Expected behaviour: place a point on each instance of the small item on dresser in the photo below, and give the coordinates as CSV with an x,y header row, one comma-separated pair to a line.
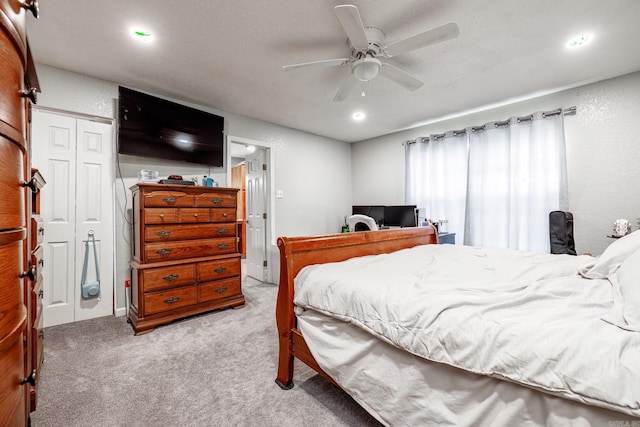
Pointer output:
x,y
147,176
621,227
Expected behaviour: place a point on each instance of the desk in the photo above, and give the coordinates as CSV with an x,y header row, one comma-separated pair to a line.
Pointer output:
x,y
447,238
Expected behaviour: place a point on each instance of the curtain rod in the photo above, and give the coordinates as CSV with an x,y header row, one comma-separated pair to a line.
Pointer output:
x,y
568,111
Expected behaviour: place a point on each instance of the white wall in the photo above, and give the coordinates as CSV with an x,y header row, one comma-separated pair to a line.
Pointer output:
x,y
602,149
312,171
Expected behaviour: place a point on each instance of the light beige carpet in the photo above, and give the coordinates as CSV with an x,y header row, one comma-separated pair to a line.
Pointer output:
x,y
216,369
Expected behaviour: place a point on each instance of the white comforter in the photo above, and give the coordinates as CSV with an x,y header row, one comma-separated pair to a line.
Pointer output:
x,y
527,318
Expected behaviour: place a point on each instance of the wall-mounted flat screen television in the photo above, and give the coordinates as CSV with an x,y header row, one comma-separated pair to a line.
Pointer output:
x,y
153,127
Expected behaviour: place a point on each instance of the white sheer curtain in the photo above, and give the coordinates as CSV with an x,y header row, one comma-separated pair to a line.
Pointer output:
x,y
517,175
496,184
437,178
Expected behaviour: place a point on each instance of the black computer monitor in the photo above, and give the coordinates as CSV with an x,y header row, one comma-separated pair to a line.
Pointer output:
x,y
374,211
400,216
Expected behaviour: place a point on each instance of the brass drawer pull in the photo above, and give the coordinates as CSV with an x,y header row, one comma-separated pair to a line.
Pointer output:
x,y
223,245
224,215
163,251
32,184
220,270
221,289
31,94
31,379
31,273
172,300
31,5
223,230
163,233
195,215
216,201
170,200
171,277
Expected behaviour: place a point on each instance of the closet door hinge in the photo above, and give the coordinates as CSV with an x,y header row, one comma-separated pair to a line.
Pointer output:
x,y
264,166
264,263
264,215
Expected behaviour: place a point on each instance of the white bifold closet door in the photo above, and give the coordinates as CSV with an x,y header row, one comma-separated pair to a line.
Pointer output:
x,y
75,157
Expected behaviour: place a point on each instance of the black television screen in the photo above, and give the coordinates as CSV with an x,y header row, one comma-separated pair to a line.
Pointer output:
x,y
400,216
154,127
375,212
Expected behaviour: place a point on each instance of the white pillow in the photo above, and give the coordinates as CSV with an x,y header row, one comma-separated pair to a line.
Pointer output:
x,y
616,253
625,312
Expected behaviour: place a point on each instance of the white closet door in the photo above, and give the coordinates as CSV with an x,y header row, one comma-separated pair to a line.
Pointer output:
x,y
74,156
256,223
94,212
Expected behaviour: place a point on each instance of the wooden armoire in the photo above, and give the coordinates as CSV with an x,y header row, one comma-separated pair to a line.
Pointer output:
x,y
20,352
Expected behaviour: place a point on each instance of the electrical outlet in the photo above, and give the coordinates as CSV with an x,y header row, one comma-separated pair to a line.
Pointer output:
x,y
279,194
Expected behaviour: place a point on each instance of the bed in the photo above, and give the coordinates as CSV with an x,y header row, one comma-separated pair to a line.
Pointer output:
x,y
425,334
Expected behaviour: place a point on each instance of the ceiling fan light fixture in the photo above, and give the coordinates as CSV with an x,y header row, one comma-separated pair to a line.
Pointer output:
x,y
366,69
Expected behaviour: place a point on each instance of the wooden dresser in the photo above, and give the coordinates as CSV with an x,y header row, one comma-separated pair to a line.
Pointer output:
x,y
185,253
35,290
18,87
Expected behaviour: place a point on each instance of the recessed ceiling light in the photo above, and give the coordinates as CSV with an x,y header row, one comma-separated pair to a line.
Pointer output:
x,y
251,148
141,35
358,116
580,40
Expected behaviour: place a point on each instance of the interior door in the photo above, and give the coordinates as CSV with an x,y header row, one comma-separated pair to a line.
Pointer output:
x,y
256,216
74,156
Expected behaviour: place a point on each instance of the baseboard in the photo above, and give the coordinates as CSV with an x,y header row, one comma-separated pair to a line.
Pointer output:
x,y
120,312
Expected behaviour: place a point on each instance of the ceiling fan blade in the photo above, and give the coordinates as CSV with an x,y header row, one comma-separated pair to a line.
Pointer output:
x,y
349,18
401,77
436,35
346,87
325,63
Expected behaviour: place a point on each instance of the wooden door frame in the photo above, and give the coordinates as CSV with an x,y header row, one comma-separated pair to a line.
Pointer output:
x,y
270,199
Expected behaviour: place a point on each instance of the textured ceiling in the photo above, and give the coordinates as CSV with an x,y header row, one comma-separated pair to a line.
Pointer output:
x,y
228,54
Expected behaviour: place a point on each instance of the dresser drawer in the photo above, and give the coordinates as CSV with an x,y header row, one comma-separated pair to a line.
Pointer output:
x,y
189,249
37,262
168,199
160,278
193,215
12,104
12,195
37,293
216,200
219,289
218,269
159,302
37,231
37,339
16,15
12,361
223,215
160,216
166,233
10,282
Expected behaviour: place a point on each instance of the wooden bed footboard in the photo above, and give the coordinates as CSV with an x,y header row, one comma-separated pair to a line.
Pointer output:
x,y
298,252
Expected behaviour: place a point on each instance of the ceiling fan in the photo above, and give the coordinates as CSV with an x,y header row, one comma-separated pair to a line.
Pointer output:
x,y
368,46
